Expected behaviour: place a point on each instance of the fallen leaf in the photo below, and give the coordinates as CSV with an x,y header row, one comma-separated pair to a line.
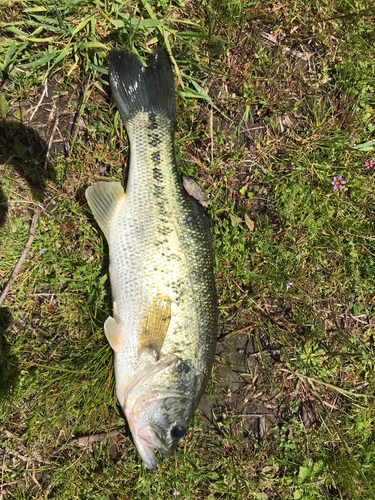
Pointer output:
x,y
250,223
195,191
235,220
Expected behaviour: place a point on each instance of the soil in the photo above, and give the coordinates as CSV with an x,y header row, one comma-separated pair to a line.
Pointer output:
x,y
244,396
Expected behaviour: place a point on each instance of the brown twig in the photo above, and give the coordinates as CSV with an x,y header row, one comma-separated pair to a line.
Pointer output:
x,y
45,92
66,143
24,201
212,134
21,259
78,116
50,141
85,441
233,332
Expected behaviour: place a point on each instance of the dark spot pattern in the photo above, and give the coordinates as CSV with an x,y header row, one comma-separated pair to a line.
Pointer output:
x,y
155,141
153,122
155,157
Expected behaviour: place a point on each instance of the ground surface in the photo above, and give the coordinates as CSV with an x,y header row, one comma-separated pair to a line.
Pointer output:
x,y
277,101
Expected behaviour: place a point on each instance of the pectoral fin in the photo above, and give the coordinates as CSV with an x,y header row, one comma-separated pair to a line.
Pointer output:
x,y
112,332
103,198
154,330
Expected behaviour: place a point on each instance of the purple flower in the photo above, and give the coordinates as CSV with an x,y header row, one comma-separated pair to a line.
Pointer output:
x,y
175,493
353,136
288,285
338,182
369,163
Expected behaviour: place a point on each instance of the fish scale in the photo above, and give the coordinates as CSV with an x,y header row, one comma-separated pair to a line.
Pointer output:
x,y
165,308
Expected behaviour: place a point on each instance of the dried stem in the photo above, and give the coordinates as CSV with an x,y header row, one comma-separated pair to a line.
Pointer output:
x,y
21,259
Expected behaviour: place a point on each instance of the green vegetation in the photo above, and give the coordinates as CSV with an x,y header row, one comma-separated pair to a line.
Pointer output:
x,y
274,100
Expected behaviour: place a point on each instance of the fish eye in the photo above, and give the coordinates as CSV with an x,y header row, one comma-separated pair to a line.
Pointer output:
x,y
178,431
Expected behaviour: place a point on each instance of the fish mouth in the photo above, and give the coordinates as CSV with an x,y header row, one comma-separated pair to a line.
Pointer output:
x,y
155,437
147,453
147,439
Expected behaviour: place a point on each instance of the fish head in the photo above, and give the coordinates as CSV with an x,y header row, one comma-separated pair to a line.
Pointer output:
x,y
159,405
159,425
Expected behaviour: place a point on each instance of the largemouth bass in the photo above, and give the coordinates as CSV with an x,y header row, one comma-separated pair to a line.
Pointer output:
x,y
164,326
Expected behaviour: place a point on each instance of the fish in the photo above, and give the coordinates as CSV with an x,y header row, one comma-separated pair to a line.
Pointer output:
x,y
163,331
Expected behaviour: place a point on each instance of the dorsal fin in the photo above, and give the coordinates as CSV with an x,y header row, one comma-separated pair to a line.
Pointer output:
x,y
103,199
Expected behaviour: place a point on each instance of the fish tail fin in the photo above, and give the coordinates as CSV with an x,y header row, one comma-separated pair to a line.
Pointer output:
x,y
137,88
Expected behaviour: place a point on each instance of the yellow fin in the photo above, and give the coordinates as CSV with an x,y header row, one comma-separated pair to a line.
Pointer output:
x,y
112,332
103,198
155,327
